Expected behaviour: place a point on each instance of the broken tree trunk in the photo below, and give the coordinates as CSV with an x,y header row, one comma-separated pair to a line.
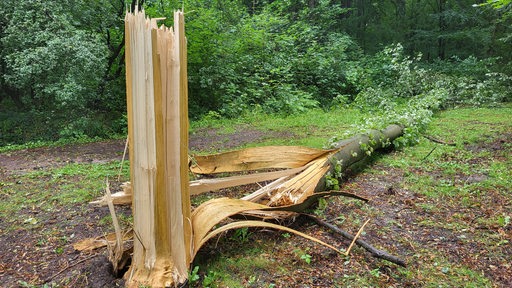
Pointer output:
x,y
359,147
314,177
166,234
284,198
156,84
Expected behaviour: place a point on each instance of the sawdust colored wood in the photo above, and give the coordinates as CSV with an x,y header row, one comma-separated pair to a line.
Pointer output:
x,y
161,204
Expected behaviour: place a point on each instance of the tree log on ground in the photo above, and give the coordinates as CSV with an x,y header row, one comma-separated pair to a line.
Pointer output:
x,y
359,147
330,166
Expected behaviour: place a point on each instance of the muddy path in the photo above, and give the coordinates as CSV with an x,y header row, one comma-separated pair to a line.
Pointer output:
x,y
23,161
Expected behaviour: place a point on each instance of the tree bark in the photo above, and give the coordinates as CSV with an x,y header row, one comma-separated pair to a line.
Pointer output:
x,y
359,147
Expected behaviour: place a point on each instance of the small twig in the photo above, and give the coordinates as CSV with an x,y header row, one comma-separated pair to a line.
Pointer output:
x,y
356,237
122,160
67,267
439,141
430,152
374,251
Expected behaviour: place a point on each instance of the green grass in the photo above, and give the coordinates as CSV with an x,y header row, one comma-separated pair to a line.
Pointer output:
x,y
53,189
58,143
235,264
313,128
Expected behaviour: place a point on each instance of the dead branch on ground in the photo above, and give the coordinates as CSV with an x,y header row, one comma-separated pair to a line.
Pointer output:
x,y
374,251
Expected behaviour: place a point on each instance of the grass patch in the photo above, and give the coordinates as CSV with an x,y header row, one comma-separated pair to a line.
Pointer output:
x,y
50,190
58,143
240,261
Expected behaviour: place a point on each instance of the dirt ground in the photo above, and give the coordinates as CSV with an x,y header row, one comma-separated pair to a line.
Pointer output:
x,y
25,259
26,262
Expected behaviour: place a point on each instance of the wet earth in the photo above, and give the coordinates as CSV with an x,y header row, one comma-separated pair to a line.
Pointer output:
x,y
27,260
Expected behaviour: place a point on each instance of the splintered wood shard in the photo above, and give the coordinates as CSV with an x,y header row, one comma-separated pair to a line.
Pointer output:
x,y
204,185
256,158
118,198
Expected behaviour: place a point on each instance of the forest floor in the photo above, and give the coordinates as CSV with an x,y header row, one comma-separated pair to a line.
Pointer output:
x,y
447,214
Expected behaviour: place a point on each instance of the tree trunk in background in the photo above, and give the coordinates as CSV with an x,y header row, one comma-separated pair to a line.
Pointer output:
x,y
441,41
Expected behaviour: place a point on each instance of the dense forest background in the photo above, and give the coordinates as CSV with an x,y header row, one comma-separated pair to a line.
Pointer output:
x,y
62,62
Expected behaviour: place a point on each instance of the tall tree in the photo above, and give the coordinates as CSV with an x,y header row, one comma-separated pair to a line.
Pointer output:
x,y
51,63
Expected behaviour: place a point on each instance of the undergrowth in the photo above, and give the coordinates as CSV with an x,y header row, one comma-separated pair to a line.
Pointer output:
x,y
403,91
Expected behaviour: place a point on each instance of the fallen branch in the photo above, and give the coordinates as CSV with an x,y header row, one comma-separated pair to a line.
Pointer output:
x,y
374,251
439,141
119,198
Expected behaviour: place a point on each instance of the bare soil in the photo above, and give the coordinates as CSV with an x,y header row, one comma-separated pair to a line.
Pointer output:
x,y
25,259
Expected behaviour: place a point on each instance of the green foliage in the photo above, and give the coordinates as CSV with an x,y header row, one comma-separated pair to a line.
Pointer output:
x,y
193,276
306,257
333,179
375,272
399,89
210,279
53,64
495,3
322,205
265,62
57,66
25,284
241,235
62,68
303,255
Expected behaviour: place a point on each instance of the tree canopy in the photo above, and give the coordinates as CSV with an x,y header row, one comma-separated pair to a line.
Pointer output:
x,y
62,62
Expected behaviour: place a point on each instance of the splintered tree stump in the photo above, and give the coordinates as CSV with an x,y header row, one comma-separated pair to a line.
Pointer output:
x,y
157,104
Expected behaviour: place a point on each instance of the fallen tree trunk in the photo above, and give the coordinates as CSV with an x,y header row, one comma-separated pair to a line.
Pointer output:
x,y
297,189
298,182
359,147
331,166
